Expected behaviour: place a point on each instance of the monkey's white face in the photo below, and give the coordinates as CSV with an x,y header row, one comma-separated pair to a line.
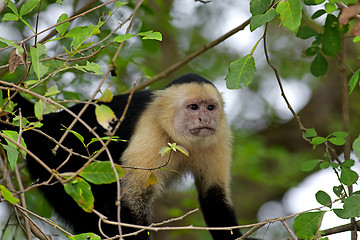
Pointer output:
x,y
198,117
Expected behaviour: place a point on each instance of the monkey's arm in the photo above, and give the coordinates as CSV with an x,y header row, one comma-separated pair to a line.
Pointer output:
x,y
212,181
218,212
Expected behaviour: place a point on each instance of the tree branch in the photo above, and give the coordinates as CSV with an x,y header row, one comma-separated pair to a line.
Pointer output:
x,y
193,55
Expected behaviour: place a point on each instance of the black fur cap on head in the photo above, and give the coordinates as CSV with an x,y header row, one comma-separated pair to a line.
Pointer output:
x,y
189,78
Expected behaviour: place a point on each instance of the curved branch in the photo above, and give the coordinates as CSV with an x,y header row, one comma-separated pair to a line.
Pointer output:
x,y
193,55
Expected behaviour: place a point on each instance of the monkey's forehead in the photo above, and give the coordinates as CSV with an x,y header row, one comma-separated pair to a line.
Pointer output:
x,y
200,100
200,90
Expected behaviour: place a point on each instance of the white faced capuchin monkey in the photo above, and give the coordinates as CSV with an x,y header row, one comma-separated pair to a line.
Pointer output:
x,y
188,112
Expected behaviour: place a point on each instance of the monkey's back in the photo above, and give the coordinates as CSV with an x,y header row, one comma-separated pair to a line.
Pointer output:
x,y
54,125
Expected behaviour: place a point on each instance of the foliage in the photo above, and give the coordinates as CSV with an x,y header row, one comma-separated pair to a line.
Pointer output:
x,y
89,49
327,43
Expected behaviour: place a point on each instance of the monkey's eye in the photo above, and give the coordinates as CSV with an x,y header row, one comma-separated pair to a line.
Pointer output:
x,y
193,106
210,107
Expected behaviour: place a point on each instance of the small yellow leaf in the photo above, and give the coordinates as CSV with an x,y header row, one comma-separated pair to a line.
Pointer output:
x,y
151,180
164,150
105,116
183,150
107,96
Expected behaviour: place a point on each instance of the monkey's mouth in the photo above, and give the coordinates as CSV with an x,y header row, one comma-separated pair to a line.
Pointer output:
x,y
202,131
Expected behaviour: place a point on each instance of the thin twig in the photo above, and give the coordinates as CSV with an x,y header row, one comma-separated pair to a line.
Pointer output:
x,y
289,230
67,20
43,219
346,122
297,118
81,10
251,231
20,185
193,55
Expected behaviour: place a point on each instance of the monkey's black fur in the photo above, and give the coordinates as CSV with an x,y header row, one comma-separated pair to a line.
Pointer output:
x,y
189,78
217,211
105,195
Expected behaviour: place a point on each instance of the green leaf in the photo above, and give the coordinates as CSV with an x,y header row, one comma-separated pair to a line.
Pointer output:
x,y
310,165
13,44
306,32
348,163
306,225
337,141
318,14
310,133
52,91
338,190
348,176
77,135
324,165
151,180
9,107
331,39
85,236
80,191
14,136
356,39
12,155
27,24
353,81
339,212
94,68
7,195
105,116
80,34
36,124
259,6
312,51
323,198
16,121
113,138
13,8
241,72
349,2
330,8
340,134
28,6
351,207
10,17
356,147
119,4
39,109
319,65
313,2
61,29
151,35
31,82
121,38
101,173
36,202
259,20
317,141
290,14
39,69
